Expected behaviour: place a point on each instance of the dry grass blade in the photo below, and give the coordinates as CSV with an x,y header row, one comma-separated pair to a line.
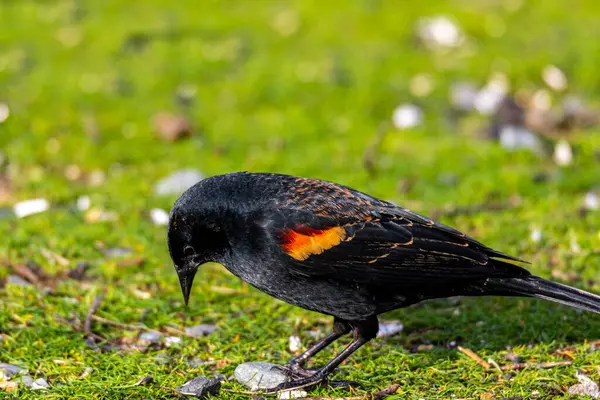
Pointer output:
x,y
87,326
388,391
472,355
76,326
519,366
26,273
129,327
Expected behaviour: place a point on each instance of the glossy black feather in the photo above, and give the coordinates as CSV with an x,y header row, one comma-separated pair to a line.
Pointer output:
x,y
389,256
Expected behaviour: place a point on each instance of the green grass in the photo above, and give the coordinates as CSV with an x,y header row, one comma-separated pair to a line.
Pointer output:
x,y
306,103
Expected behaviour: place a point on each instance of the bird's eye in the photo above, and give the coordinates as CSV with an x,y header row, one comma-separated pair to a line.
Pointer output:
x,y
188,251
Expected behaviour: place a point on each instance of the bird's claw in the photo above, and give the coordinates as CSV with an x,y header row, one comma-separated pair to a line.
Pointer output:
x,y
296,384
302,378
296,371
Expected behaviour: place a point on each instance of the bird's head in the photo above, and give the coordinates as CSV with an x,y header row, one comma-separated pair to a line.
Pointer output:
x,y
195,236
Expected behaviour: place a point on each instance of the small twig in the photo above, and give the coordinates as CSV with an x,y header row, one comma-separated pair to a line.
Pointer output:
x,y
494,364
50,255
131,262
176,392
87,326
553,364
121,325
566,353
175,331
472,355
146,380
77,327
26,273
241,392
388,391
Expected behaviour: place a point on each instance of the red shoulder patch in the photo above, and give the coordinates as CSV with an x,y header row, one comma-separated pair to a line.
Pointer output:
x,y
302,242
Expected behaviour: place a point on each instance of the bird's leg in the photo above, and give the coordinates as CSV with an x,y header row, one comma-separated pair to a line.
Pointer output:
x,y
296,365
363,332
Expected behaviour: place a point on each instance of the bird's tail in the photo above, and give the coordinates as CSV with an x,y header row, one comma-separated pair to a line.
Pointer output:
x,y
533,286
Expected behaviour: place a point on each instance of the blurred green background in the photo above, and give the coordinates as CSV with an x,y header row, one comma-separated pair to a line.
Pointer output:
x,y
100,100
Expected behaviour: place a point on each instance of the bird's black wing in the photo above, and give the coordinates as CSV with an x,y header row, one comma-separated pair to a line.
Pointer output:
x,y
329,230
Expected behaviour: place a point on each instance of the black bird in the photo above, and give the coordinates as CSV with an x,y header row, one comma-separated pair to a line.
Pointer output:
x,y
332,249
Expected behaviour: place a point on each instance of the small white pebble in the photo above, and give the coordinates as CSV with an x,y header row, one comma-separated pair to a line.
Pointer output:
x,y
28,207
389,328
292,394
516,137
554,78
489,97
295,343
591,201
407,116
4,112
159,216
140,294
86,372
173,341
440,32
536,235
39,384
563,154
83,203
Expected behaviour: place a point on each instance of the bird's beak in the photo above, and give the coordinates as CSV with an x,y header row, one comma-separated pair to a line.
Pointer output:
x,y
186,279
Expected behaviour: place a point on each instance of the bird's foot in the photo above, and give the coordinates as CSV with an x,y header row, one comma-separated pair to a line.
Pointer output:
x,y
297,384
296,371
303,378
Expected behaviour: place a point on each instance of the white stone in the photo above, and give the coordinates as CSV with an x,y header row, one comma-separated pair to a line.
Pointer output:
x,y
516,137
591,201
173,341
83,203
28,207
536,235
178,182
407,116
4,112
554,78
295,343
389,328
440,32
292,394
159,216
563,154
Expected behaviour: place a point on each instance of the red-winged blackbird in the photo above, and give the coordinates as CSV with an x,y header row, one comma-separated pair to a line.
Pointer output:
x,y
331,249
